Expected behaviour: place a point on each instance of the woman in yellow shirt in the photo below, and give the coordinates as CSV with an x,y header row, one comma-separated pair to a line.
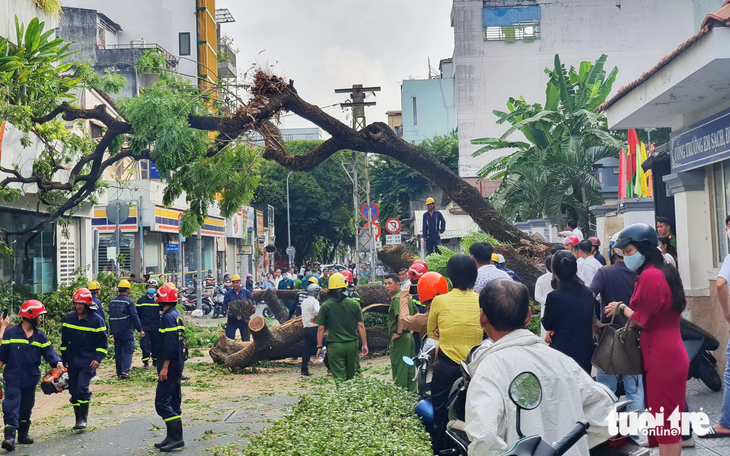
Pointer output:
x,y
456,317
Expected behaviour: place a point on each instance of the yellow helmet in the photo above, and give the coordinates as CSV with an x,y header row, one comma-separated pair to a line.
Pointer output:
x,y
94,285
313,280
336,281
235,277
171,284
495,258
124,284
430,200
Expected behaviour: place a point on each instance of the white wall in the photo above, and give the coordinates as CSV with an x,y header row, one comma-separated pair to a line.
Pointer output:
x,y
25,10
155,21
635,37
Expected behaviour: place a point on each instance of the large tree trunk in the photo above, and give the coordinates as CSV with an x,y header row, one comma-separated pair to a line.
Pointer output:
x,y
280,342
369,294
396,257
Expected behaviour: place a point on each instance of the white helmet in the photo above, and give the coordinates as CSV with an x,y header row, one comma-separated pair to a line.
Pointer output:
x,y
313,289
611,243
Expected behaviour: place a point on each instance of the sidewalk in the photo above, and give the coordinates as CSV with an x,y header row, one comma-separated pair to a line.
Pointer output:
x,y
701,398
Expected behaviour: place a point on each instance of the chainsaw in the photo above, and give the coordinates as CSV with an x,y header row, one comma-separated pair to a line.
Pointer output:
x,y
55,381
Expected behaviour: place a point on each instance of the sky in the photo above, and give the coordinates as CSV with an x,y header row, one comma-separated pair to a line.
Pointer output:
x,y
327,44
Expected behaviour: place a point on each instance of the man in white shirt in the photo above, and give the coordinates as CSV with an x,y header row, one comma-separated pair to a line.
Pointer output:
x,y
486,271
587,263
543,286
573,230
310,309
569,394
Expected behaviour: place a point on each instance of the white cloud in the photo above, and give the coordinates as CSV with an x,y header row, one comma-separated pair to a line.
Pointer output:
x,y
327,44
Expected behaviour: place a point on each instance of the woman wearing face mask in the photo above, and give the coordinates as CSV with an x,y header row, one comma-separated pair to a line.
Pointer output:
x,y
656,306
568,318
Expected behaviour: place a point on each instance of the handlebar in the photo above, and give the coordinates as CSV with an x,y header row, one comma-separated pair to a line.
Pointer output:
x,y
579,430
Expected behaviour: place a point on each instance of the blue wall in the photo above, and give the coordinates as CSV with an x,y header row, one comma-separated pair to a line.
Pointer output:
x,y
435,108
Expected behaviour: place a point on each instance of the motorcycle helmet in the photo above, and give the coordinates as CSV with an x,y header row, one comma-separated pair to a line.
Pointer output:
x,y
424,411
638,232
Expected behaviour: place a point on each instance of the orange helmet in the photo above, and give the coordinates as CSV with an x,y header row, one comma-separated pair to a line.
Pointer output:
x,y
430,285
417,270
82,295
167,293
32,308
348,275
571,240
423,262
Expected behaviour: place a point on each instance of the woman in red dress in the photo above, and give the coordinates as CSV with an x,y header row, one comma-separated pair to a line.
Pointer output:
x,y
656,307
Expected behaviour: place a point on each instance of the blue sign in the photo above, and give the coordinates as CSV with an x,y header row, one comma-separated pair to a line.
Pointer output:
x,y
172,248
370,213
154,174
702,144
504,17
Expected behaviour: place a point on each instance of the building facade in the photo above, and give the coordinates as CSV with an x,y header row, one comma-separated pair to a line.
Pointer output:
x,y
305,134
427,105
501,48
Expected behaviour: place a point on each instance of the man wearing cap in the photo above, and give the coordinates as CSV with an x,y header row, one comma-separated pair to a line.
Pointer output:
x,y
434,226
123,321
95,288
236,294
149,317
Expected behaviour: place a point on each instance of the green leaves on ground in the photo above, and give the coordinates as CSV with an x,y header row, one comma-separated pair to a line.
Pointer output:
x,y
364,416
551,174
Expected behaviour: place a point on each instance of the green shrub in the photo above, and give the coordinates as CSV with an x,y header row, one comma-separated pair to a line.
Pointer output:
x,y
364,416
375,320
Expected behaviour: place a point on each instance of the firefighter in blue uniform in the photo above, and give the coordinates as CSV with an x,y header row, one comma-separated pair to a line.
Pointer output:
x,y
123,320
235,294
149,318
83,347
170,363
95,288
20,353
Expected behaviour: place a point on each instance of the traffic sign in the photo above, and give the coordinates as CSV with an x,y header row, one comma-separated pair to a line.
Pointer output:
x,y
392,226
117,212
370,213
376,228
291,251
393,239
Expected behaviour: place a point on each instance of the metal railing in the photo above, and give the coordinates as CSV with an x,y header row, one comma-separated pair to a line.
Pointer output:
x,y
522,31
226,55
169,58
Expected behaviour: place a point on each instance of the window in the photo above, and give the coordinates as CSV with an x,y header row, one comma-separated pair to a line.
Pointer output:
x,y
184,38
511,24
415,112
144,169
102,37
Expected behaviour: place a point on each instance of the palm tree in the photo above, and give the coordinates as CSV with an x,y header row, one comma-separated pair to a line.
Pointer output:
x,y
550,174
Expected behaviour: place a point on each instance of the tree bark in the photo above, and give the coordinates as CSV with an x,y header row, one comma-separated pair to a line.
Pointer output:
x,y
396,257
369,294
280,342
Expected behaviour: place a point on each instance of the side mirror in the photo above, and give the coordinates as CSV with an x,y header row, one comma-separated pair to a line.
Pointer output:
x,y
409,361
525,392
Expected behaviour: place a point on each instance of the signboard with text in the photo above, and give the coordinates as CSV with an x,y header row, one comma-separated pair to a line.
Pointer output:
x,y
393,239
701,144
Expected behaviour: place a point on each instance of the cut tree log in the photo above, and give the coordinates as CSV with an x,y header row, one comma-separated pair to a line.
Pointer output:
x,y
280,342
241,309
396,257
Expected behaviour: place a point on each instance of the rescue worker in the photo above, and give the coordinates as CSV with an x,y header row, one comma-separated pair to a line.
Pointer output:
x,y
235,294
401,339
95,289
343,320
149,318
434,226
83,347
170,363
123,321
351,293
20,353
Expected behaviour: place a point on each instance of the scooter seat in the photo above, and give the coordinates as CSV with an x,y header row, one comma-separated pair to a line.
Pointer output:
x,y
457,425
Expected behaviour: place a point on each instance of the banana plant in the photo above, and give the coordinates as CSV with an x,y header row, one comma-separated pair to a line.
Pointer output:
x,y
554,147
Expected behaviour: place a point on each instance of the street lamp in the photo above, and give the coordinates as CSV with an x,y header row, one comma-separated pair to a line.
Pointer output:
x,y
289,248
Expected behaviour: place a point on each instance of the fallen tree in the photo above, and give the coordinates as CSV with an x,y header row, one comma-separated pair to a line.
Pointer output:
x,y
280,342
396,257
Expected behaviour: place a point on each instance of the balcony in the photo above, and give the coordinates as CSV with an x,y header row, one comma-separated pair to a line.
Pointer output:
x,y
226,62
169,58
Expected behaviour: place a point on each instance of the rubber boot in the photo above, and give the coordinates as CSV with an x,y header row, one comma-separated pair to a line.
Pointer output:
x,y
82,414
166,439
175,430
23,433
146,365
9,442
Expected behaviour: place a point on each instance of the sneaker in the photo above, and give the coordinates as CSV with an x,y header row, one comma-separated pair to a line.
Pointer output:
x,y
95,378
688,443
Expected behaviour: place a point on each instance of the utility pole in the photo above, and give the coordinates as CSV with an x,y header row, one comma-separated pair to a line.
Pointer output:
x,y
357,104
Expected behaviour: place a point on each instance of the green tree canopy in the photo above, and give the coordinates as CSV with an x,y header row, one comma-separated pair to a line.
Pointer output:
x,y
550,174
321,207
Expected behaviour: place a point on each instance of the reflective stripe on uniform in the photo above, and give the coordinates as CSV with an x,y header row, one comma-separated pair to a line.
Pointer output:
x,y
119,318
84,328
63,348
174,328
101,350
152,304
83,402
172,418
25,341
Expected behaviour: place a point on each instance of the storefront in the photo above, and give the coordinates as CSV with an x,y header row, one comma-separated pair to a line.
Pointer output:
x,y
689,91
33,264
107,252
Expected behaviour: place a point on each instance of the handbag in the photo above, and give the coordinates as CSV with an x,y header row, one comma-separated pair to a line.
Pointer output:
x,y
618,351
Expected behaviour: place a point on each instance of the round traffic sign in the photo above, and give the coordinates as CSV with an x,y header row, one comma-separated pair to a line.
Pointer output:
x,y
370,213
376,227
392,226
117,212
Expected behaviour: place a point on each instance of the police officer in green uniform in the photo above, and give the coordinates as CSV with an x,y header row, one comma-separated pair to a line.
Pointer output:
x,y
342,318
401,339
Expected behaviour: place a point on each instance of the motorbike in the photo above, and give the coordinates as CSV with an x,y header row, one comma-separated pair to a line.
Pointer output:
x,y
534,445
423,362
189,300
218,297
702,365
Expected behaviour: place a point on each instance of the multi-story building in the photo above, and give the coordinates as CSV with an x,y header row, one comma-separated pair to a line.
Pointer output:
x,y
307,134
427,105
502,46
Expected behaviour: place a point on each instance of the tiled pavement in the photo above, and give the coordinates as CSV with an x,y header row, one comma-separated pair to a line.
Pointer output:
x,y
701,398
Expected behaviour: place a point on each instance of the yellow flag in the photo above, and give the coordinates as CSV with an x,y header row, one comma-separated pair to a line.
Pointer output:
x,y
644,175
